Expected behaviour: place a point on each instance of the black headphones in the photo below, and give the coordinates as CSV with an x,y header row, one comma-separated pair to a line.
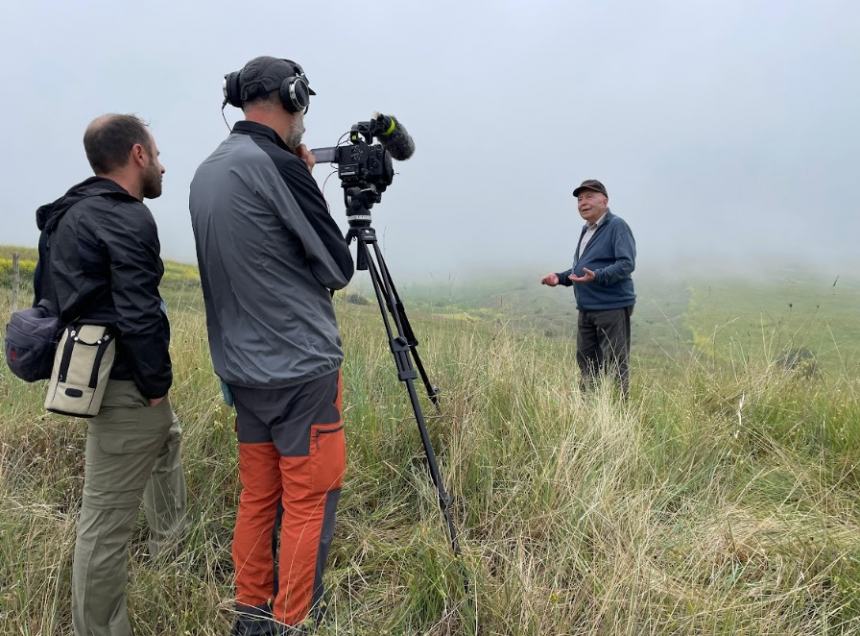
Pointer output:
x,y
293,89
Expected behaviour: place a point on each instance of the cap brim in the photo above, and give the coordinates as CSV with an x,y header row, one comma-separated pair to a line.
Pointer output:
x,y
581,188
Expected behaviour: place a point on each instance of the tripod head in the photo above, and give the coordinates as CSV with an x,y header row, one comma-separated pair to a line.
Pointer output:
x,y
358,204
358,201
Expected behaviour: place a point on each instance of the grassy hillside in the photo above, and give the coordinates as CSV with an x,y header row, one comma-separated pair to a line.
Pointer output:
x,y
722,499
175,274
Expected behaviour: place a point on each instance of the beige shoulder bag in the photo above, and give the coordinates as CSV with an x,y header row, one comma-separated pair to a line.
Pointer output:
x,y
82,366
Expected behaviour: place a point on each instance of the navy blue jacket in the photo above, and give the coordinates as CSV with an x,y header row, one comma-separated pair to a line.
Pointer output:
x,y
611,255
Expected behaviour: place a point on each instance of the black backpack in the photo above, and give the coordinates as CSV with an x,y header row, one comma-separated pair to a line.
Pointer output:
x,y
32,334
31,341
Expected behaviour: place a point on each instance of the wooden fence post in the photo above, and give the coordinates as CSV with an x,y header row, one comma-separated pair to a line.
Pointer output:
x,y
16,279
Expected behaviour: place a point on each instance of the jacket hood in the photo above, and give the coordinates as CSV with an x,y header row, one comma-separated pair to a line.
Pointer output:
x,y
48,215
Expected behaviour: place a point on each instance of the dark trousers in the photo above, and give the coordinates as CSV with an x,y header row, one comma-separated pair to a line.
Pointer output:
x,y
603,346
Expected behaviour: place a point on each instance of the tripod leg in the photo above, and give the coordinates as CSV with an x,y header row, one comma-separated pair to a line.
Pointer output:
x,y
401,350
397,309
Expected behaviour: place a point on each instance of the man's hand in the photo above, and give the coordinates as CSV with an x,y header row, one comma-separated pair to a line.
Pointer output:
x,y
307,156
587,277
157,401
550,280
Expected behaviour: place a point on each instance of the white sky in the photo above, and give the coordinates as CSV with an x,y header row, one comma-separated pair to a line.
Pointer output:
x,y
726,132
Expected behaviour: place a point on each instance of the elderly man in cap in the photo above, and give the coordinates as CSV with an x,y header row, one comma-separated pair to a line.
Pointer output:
x,y
601,278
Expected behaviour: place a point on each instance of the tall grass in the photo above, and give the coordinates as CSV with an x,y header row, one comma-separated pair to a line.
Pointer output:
x,y
720,499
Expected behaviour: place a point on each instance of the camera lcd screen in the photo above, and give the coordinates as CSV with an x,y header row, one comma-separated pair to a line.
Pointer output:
x,y
324,155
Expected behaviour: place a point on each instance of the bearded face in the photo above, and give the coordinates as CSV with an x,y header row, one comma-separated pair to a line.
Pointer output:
x,y
294,136
152,174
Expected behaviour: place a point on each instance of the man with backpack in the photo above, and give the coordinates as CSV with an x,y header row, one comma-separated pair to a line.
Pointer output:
x,y
99,264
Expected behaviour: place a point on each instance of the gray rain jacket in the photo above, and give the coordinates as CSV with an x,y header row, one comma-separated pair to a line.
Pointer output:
x,y
269,252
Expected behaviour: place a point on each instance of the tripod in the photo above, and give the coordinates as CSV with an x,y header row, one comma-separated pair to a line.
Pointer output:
x,y
401,338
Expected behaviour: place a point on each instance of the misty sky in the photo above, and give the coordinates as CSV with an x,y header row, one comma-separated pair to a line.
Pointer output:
x,y
726,132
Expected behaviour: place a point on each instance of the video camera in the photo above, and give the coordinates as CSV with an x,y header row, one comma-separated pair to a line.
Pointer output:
x,y
365,168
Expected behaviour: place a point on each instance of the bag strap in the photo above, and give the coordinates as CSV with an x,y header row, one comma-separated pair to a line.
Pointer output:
x,y
46,292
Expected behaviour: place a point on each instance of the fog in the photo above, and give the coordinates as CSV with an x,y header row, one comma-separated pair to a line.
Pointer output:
x,y
726,132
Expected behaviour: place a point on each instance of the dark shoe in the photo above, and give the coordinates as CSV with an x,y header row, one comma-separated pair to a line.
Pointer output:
x,y
254,621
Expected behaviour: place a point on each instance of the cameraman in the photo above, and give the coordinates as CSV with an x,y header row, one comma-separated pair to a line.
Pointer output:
x,y
602,264
269,252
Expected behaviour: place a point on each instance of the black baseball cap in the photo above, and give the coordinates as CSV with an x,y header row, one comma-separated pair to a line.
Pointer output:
x,y
591,184
264,74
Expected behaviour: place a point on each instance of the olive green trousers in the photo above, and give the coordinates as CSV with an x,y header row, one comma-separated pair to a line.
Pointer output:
x,y
132,453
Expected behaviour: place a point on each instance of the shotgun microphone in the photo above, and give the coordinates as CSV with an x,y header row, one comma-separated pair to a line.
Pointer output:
x,y
394,138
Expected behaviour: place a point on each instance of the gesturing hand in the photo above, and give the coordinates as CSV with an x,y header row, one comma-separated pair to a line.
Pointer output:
x,y
550,280
587,277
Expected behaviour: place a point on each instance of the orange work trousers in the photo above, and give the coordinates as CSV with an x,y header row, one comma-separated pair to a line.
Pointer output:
x,y
292,458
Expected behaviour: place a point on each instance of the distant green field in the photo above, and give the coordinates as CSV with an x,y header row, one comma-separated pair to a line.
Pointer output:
x,y
726,319
730,319
738,320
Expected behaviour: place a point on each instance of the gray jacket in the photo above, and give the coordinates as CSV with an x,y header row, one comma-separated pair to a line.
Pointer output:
x,y
269,252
